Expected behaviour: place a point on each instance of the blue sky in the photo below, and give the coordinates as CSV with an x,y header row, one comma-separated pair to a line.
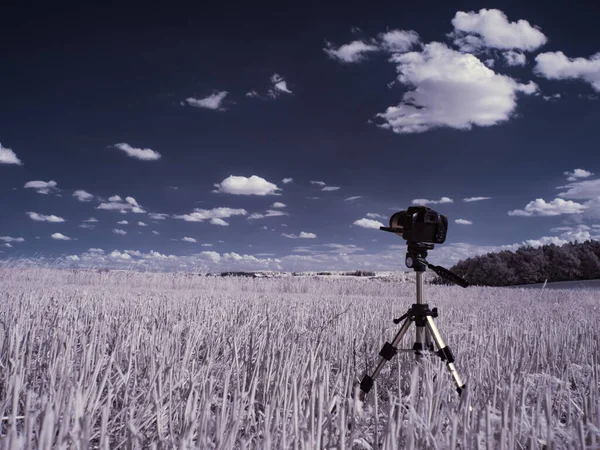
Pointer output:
x,y
280,137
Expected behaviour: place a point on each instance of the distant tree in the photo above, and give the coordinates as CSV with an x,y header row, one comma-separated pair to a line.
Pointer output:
x,y
572,261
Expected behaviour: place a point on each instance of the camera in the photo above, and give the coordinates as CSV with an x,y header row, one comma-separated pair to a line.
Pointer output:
x,y
419,224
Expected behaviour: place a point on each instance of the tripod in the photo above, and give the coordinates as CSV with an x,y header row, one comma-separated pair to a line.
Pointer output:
x,y
422,316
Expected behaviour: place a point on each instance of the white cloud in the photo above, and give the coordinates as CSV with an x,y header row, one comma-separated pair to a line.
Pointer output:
x,y
302,235
539,207
279,84
91,220
189,239
207,245
212,256
116,254
256,216
375,216
513,58
118,231
60,237
145,154
116,203
42,187
7,156
551,97
463,222
424,201
330,188
11,239
490,28
578,173
83,196
475,199
581,190
158,216
557,66
155,232
355,197
275,213
215,215
320,183
368,223
132,201
399,41
122,222
142,224
88,226
287,180
239,185
220,222
278,205
350,53
42,218
451,89
252,94
213,101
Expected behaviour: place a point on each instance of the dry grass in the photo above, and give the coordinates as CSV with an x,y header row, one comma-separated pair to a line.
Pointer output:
x,y
126,360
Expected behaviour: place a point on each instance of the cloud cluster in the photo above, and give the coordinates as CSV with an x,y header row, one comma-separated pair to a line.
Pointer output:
x,y
475,199
577,174
278,87
350,53
302,235
82,195
145,154
368,223
539,207
213,101
9,239
116,203
7,156
424,201
490,28
557,66
42,187
450,89
60,237
239,185
42,218
393,41
215,216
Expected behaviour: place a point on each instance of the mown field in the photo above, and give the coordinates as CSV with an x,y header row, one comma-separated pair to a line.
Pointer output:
x,y
131,360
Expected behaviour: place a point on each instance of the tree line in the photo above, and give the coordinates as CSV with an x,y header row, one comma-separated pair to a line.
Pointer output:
x,y
529,265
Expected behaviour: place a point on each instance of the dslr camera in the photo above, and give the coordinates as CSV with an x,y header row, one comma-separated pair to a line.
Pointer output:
x,y
419,224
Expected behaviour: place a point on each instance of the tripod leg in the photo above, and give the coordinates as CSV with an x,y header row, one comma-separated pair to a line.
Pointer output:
x,y
386,353
445,354
420,341
428,341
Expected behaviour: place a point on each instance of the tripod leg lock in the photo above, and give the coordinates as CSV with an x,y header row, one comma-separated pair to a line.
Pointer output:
x,y
446,354
366,384
388,351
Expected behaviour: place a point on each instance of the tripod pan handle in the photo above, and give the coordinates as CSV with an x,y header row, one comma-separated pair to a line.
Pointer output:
x,y
445,273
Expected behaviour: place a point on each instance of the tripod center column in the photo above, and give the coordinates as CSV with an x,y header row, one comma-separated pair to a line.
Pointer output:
x,y
420,287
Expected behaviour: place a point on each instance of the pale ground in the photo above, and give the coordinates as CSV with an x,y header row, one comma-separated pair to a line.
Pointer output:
x,y
128,360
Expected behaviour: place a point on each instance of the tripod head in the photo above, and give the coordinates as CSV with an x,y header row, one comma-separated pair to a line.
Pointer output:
x,y
422,227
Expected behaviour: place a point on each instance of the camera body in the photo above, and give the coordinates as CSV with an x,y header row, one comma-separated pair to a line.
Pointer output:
x,y
419,224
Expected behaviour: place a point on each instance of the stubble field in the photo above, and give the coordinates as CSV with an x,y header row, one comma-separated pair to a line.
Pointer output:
x,y
132,360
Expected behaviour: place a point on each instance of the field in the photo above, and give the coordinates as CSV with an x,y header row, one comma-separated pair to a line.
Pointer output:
x,y
132,360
